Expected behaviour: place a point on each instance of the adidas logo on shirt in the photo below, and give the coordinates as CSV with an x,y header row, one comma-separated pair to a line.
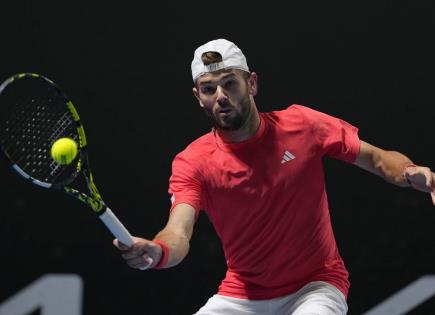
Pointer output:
x,y
287,157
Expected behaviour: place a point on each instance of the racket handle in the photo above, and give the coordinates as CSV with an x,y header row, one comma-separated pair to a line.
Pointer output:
x,y
119,231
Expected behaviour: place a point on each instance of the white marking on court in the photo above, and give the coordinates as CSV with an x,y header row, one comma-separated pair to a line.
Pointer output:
x,y
407,298
51,294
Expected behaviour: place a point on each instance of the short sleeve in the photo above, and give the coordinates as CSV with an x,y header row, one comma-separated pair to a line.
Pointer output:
x,y
185,185
334,137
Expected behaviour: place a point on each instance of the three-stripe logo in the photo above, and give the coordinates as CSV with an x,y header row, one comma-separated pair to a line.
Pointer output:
x,y
287,157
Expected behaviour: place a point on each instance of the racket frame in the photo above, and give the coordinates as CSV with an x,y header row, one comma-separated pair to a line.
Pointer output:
x,y
94,199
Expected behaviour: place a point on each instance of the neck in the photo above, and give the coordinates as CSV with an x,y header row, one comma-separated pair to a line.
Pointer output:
x,y
247,131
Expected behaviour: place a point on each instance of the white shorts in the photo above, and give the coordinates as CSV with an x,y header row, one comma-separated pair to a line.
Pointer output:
x,y
315,298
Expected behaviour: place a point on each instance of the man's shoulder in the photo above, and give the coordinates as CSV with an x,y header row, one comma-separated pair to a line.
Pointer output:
x,y
293,114
291,110
201,146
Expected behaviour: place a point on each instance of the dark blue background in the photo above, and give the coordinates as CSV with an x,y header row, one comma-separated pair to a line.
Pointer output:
x,y
126,66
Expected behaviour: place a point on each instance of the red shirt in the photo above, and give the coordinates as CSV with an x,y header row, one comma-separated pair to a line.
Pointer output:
x,y
267,201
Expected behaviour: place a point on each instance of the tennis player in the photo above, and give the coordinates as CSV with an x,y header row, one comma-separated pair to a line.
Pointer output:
x,y
259,178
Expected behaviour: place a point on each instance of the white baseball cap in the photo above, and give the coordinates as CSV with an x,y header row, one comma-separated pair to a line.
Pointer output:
x,y
232,58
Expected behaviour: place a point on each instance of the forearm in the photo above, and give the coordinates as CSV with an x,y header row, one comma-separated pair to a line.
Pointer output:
x,y
391,166
395,168
177,233
177,244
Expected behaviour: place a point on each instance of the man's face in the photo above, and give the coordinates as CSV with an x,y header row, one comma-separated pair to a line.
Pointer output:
x,y
225,98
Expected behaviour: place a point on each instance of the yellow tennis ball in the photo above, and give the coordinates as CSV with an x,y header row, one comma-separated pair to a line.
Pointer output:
x,y
64,151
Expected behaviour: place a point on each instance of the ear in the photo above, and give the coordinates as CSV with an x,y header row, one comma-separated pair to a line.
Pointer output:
x,y
252,84
196,94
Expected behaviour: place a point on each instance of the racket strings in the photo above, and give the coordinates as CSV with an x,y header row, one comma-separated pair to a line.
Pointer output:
x,y
24,130
29,131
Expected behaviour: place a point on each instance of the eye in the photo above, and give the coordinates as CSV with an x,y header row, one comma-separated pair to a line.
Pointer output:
x,y
230,84
208,89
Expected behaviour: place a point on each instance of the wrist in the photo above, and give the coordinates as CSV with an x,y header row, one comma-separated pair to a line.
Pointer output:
x,y
404,173
165,254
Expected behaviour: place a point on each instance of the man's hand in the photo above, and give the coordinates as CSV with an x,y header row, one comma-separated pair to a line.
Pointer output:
x,y
421,178
143,254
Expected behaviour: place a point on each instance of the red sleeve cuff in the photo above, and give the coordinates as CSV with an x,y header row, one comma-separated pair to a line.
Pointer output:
x,y
355,145
165,254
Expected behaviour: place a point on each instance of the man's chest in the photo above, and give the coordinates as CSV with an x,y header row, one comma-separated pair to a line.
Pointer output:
x,y
277,162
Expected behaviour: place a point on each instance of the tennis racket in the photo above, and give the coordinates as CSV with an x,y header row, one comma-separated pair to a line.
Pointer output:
x,y
34,113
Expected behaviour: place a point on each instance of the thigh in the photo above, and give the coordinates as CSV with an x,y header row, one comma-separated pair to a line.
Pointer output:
x,y
318,298
220,304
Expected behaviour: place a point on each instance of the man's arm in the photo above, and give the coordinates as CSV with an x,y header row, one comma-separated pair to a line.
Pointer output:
x,y
176,236
396,168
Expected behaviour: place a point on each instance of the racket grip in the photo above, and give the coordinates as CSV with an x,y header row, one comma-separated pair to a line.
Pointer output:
x,y
119,231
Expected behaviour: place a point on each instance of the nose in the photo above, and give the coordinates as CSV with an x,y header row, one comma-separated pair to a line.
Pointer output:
x,y
221,97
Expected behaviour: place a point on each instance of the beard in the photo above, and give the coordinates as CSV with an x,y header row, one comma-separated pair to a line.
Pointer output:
x,y
237,117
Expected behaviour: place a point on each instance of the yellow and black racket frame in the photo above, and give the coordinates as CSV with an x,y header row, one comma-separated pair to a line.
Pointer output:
x,y
81,161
